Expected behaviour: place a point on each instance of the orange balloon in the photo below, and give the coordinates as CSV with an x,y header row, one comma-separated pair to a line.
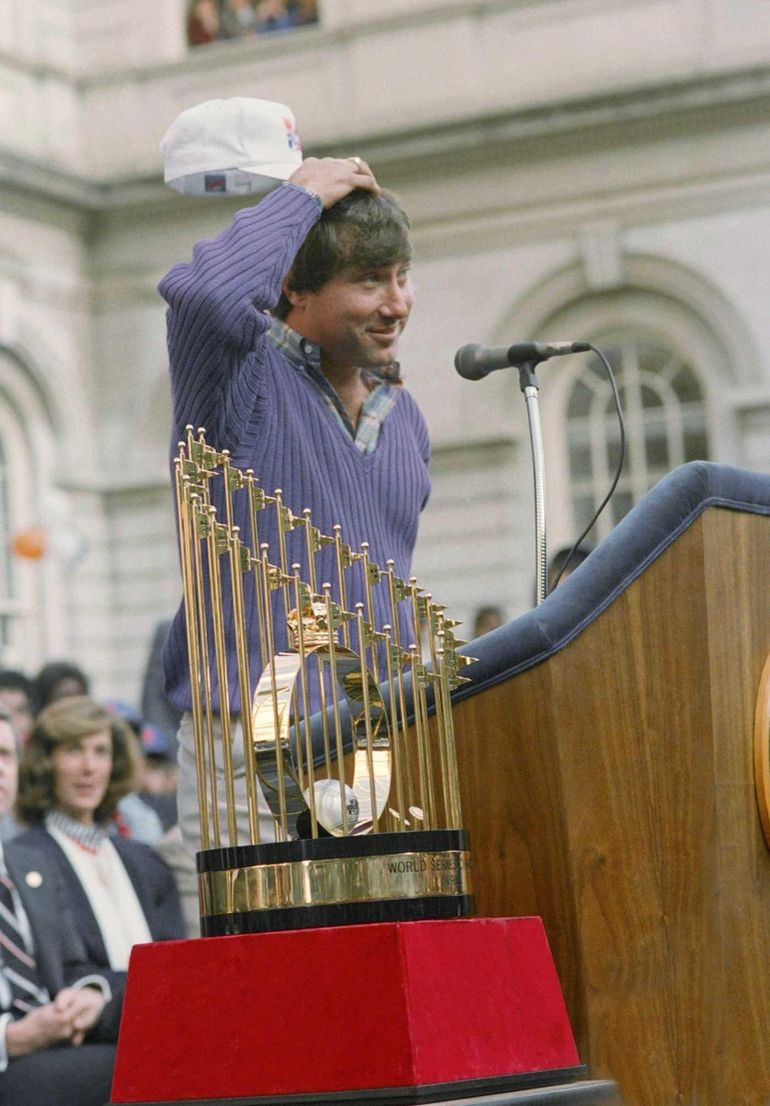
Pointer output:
x,y
29,544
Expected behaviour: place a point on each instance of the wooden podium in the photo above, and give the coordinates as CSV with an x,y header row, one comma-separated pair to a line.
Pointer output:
x,y
609,787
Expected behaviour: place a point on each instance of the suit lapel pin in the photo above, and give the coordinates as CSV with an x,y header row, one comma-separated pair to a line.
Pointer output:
x,y
33,879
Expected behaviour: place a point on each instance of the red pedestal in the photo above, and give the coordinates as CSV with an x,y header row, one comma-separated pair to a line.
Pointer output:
x,y
347,1009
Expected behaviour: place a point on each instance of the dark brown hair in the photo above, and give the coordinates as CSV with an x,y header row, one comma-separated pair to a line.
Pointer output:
x,y
66,722
366,230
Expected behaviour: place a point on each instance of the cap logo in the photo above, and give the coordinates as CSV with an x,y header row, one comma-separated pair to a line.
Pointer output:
x,y
214,182
292,137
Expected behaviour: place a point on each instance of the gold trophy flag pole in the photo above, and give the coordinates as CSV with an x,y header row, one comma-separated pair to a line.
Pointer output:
x,y
186,543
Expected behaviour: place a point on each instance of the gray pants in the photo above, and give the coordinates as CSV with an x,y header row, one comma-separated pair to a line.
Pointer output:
x,y
187,792
62,1075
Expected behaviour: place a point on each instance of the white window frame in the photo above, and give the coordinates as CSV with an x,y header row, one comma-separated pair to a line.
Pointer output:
x,y
675,415
636,312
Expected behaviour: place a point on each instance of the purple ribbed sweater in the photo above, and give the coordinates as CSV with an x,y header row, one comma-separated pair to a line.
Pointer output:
x,y
227,377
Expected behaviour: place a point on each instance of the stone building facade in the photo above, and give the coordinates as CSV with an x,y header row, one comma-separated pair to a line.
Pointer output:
x,y
575,169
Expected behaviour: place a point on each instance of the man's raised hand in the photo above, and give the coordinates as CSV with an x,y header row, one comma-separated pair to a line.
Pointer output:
x,y
331,178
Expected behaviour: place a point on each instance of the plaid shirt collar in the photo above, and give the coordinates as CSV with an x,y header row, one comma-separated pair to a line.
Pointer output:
x,y
383,384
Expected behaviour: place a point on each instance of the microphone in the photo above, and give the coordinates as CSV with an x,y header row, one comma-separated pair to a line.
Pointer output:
x,y
476,361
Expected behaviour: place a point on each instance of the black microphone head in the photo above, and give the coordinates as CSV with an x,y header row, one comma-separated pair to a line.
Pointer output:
x,y
466,362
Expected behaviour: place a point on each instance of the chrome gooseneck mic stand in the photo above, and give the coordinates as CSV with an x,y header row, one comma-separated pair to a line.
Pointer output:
x,y
474,362
530,387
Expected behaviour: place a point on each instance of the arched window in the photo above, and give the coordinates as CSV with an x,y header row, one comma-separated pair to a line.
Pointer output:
x,y
16,600
7,583
25,592
673,369
665,418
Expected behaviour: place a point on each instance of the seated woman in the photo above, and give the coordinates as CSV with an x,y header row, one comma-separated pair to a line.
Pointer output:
x,y
77,764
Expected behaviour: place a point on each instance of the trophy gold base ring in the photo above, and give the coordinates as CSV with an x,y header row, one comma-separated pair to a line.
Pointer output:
x,y
319,882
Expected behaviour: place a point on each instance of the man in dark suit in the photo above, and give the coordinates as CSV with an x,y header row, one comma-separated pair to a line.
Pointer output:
x,y
58,1020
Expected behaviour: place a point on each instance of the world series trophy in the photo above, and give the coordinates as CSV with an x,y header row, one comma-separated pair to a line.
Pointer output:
x,y
341,962
366,823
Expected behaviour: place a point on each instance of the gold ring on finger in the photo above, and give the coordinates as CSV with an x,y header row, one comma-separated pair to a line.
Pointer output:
x,y
358,164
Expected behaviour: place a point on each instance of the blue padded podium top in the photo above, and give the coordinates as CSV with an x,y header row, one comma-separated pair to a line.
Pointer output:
x,y
645,532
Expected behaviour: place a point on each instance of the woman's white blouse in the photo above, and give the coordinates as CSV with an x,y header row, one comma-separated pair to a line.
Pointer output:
x,y
111,894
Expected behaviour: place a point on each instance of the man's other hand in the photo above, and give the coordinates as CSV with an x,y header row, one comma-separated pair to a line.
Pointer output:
x,y
83,1007
68,1018
331,178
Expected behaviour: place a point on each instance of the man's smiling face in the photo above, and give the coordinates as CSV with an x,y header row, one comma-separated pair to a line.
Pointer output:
x,y
357,316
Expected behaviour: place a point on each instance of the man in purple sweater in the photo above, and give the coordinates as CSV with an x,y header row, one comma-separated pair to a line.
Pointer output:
x,y
283,334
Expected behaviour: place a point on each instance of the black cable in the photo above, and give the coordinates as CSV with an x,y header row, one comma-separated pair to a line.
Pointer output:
x,y
621,458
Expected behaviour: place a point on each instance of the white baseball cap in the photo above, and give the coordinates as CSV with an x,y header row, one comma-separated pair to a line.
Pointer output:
x,y
234,146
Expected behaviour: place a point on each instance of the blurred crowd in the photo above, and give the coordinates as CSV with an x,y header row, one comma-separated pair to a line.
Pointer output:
x,y
55,704
216,20
91,864
146,817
